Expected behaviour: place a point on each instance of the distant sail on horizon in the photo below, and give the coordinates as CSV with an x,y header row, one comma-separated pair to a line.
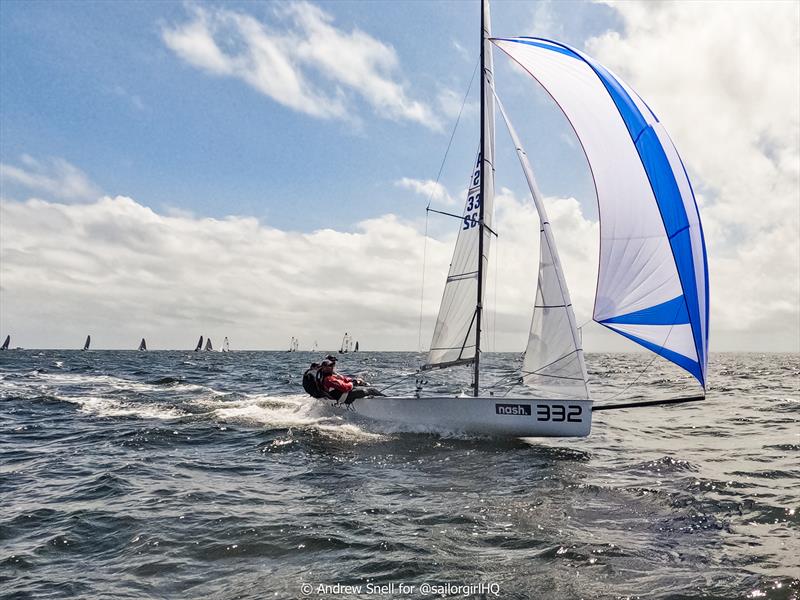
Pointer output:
x,y
142,345
199,344
209,347
6,343
226,345
87,342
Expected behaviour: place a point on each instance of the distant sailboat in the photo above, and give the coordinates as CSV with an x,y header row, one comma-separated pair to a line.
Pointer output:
x,y
142,345
6,343
208,347
294,345
87,342
315,347
356,348
199,344
346,344
226,345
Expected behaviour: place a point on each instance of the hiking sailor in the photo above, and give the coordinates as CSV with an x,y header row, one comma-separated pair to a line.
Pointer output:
x,y
320,381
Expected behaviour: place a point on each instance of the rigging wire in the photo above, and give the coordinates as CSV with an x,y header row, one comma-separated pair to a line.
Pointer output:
x,y
430,198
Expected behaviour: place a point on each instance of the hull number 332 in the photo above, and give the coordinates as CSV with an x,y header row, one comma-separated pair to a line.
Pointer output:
x,y
543,412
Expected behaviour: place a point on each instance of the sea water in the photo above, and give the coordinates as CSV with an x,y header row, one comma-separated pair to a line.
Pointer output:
x,y
212,475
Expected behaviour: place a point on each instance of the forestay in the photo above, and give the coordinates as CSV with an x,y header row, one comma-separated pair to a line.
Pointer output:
x,y
652,282
454,337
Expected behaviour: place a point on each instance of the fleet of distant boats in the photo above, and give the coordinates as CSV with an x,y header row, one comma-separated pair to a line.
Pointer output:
x,y
294,345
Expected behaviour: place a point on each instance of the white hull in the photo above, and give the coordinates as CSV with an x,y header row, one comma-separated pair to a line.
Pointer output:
x,y
514,417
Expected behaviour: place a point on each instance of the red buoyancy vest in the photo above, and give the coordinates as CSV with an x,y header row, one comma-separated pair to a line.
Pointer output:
x,y
337,382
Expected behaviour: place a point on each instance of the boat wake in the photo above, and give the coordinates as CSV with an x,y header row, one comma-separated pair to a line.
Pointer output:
x,y
289,412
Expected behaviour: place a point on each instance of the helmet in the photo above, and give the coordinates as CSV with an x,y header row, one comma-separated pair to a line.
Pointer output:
x,y
331,358
326,365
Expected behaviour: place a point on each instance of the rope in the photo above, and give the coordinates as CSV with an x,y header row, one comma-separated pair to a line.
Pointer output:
x,y
398,380
639,376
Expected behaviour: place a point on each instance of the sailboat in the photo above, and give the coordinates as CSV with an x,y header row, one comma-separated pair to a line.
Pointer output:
x,y
226,345
6,343
356,348
315,347
345,347
199,344
294,344
87,342
142,345
652,279
208,347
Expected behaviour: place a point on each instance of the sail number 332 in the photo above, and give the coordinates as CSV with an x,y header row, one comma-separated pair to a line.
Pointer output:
x,y
471,219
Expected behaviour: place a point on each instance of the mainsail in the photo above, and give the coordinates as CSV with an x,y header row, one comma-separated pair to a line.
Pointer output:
x,y
226,345
142,345
6,343
209,347
652,284
199,344
455,337
87,342
553,361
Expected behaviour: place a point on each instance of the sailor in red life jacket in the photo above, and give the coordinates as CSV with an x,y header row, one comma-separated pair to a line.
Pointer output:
x,y
341,388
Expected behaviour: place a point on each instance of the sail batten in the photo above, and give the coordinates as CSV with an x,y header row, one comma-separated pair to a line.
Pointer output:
x,y
653,274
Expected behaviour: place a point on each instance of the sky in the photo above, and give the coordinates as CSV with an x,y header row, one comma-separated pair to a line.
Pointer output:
x,y
261,170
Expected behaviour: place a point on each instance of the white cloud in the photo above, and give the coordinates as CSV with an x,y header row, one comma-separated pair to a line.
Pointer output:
x,y
427,188
723,78
55,177
120,271
309,66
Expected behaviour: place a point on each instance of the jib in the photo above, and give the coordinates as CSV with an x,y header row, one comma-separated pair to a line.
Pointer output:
x,y
512,409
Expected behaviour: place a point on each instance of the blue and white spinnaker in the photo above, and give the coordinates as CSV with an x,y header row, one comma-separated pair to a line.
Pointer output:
x,y
652,282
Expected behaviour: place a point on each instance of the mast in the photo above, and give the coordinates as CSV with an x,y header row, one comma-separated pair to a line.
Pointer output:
x,y
479,303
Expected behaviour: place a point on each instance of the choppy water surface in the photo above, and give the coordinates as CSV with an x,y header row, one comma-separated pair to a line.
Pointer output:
x,y
183,475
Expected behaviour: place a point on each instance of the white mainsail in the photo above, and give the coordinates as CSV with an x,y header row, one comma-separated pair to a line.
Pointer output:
x,y
455,334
